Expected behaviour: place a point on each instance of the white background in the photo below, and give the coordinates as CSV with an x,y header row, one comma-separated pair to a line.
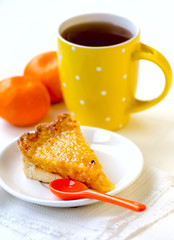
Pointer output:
x,y
29,27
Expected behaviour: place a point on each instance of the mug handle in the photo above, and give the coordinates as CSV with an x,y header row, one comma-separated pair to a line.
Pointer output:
x,y
148,53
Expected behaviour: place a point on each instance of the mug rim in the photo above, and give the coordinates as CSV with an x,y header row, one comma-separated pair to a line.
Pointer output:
x,y
76,17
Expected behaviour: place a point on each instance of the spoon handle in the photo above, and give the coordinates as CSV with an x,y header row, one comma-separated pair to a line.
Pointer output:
x,y
132,205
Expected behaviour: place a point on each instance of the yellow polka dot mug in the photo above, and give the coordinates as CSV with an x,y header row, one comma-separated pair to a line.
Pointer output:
x,y
99,82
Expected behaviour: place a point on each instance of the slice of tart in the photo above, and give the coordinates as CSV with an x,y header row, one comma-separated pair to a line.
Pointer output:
x,y
59,150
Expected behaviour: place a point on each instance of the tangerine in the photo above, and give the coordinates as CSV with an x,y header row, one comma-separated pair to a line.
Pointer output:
x,y
22,101
44,68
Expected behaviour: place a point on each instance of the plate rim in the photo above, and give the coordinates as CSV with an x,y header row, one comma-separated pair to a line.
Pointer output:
x,y
69,203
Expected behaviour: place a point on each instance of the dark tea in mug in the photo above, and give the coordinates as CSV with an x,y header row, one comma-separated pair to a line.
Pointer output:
x,y
96,34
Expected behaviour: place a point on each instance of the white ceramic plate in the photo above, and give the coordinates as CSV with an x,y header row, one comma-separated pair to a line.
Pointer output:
x,y
121,159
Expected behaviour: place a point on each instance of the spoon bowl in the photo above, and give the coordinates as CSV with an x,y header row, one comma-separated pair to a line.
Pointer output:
x,y
67,189
70,190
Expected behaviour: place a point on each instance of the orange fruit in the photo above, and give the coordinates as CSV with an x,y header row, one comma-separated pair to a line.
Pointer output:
x,y
23,102
44,68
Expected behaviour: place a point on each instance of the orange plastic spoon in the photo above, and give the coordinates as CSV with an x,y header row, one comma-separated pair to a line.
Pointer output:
x,y
70,190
